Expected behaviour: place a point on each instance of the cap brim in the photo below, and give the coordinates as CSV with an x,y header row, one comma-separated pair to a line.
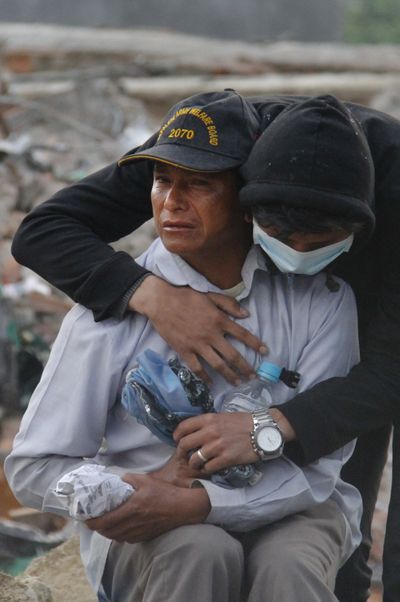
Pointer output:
x,y
192,159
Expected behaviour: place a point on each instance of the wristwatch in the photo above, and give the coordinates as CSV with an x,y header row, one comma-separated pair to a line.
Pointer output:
x,y
266,436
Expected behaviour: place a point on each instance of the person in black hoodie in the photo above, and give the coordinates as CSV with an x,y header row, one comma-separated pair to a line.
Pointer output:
x,y
309,165
65,241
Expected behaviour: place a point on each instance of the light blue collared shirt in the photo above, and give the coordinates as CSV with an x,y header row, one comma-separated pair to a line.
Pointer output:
x,y
75,410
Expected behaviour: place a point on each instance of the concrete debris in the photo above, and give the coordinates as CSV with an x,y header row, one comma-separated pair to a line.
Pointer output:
x,y
58,576
23,540
356,87
388,101
61,570
15,145
23,590
32,47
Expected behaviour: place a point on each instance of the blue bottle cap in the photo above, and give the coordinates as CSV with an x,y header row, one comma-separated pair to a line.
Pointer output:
x,y
269,371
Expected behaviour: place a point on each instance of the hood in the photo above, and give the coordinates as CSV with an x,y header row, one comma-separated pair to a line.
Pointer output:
x,y
313,155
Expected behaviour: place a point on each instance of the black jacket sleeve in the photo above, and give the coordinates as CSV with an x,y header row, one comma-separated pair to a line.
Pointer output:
x,y
337,410
65,238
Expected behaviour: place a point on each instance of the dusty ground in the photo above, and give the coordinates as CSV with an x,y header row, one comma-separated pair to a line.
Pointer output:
x,y
56,577
61,570
23,590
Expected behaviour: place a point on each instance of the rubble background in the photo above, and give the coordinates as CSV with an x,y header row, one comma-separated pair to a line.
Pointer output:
x,y
73,100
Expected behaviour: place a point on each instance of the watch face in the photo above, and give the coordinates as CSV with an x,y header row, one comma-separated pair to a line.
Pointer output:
x,y
269,439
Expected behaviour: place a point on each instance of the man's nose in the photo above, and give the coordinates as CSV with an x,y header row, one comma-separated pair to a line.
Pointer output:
x,y
175,198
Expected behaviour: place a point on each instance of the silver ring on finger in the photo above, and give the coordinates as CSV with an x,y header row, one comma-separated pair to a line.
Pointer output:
x,y
202,457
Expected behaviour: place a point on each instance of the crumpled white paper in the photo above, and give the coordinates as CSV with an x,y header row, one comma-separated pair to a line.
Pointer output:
x,y
90,491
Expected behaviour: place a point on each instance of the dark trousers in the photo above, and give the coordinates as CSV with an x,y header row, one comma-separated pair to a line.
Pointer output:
x,y
364,471
391,552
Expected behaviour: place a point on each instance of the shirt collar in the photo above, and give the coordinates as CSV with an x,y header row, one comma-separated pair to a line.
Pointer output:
x,y
173,268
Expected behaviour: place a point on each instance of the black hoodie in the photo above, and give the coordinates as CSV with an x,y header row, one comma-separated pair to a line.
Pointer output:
x,y
314,155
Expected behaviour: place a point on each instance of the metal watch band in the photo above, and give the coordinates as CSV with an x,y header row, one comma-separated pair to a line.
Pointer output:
x,y
262,418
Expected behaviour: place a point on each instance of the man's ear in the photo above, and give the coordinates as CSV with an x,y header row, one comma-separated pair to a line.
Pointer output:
x,y
248,217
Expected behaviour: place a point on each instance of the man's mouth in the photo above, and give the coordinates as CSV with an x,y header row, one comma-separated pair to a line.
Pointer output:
x,y
176,226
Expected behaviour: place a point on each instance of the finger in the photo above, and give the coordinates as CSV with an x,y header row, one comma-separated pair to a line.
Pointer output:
x,y
244,336
188,426
204,438
221,356
234,360
228,305
219,364
181,455
193,363
214,465
196,460
118,532
207,438
194,441
108,520
111,518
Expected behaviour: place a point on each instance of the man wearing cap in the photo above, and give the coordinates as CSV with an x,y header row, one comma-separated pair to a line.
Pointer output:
x,y
111,203
185,537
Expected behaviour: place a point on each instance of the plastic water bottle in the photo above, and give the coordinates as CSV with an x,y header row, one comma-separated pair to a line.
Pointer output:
x,y
250,396
258,392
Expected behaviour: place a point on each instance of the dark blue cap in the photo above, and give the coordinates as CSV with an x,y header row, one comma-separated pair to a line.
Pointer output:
x,y
210,132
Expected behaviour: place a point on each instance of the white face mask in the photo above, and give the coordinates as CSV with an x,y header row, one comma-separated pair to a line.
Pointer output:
x,y
287,260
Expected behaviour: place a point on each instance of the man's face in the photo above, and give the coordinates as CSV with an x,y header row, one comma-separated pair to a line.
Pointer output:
x,y
196,214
